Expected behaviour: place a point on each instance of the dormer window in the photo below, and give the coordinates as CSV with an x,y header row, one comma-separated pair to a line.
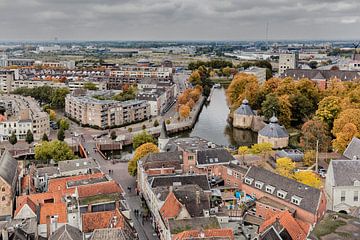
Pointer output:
x,y
281,194
296,200
269,189
259,184
249,181
356,183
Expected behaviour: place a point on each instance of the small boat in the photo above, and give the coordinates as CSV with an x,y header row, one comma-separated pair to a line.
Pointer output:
x,y
217,85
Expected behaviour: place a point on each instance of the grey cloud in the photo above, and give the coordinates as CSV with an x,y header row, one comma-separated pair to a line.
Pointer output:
x,y
178,19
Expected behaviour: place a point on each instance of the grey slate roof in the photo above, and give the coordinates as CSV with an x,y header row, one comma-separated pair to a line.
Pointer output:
x,y
274,130
310,196
244,109
112,234
345,172
67,232
8,167
200,180
163,159
189,144
214,156
353,149
78,164
316,74
49,171
187,196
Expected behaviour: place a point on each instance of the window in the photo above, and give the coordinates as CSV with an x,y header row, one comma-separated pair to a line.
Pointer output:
x,y
269,189
3,198
356,196
248,181
3,189
190,158
296,200
342,198
281,194
259,184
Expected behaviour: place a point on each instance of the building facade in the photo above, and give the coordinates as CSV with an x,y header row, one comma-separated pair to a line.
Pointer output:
x,y
288,61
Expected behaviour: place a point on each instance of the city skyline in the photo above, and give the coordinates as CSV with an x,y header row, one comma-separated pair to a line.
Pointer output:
x,y
179,20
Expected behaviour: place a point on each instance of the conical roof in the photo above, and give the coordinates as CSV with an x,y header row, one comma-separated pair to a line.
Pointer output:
x,y
244,109
274,129
163,132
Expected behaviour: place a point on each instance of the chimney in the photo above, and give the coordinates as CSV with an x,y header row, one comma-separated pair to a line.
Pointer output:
x,y
197,195
48,227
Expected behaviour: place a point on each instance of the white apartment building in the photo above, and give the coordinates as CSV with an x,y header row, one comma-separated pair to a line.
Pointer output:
x,y
6,79
81,84
22,114
143,72
288,61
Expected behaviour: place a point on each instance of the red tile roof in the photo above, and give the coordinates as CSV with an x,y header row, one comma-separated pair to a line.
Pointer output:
x,y
25,201
40,198
100,220
59,184
297,229
99,188
225,233
53,209
171,207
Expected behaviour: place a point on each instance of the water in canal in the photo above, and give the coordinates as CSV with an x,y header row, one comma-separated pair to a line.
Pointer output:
x,y
213,124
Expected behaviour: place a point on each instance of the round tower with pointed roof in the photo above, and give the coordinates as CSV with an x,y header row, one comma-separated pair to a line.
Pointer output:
x,y
163,138
274,133
243,116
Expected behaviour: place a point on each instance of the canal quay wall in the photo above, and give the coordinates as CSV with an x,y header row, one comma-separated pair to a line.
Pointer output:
x,y
172,128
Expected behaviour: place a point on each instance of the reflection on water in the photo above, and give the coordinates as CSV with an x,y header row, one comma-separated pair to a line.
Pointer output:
x,y
213,125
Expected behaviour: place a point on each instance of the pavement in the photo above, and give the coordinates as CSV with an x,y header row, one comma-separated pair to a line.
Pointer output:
x,y
122,177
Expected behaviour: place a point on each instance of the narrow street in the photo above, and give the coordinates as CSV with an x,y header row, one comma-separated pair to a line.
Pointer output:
x,y
122,177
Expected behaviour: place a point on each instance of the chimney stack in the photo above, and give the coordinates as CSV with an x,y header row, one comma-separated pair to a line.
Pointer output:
x,y
48,227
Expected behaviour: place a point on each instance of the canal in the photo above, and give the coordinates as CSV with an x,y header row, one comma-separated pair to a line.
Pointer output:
x,y
213,124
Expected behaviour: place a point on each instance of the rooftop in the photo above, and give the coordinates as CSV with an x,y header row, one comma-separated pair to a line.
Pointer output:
x,y
345,172
180,180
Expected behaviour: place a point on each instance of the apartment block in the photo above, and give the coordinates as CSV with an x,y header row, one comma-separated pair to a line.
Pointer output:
x,y
288,61
83,107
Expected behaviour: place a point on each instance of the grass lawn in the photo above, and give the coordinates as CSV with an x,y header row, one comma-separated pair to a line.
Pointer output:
x,y
327,226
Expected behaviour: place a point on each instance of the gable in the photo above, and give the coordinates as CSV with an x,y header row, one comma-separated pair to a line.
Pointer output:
x,y
25,212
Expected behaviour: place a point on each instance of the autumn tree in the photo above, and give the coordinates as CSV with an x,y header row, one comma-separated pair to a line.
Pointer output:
x,y
280,106
312,131
195,77
63,123
344,137
243,150
140,152
285,167
351,115
191,103
262,149
242,86
184,111
195,94
335,88
141,138
52,114
328,110
308,178
309,157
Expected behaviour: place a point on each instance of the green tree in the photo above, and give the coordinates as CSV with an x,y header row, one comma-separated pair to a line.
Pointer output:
x,y
156,123
45,138
141,138
56,150
63,124
313,64
13,138
281,107
29,137
113,135
58,97
90,86
285,167
61,134
141,152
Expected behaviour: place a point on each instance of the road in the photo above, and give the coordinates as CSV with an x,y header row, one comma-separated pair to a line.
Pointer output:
x,y
122,177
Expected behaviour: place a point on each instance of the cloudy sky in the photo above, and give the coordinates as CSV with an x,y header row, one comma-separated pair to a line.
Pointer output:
x,y
178,19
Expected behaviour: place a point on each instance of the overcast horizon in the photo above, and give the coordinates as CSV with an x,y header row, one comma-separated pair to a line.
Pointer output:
x,y
185,20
